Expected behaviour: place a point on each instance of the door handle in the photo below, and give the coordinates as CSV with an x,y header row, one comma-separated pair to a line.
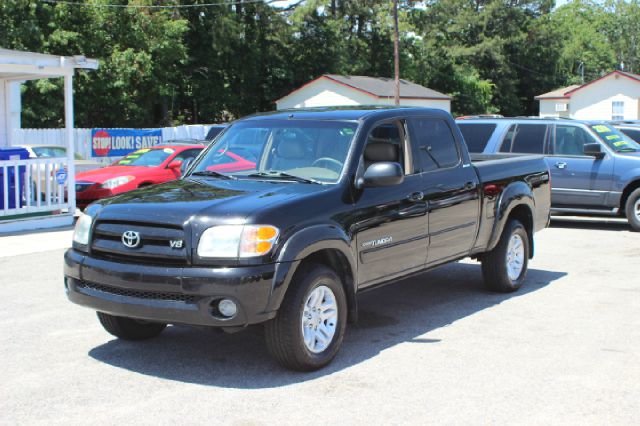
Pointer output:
x,y
469,185
416,196
561,165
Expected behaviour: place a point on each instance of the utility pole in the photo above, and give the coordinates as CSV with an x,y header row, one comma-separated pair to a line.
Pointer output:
x,y
396,54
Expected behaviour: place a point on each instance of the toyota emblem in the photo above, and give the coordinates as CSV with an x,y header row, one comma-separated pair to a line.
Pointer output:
x,y
131,239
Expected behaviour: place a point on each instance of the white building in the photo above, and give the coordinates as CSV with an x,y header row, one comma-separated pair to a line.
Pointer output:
x,y
614,96
342,90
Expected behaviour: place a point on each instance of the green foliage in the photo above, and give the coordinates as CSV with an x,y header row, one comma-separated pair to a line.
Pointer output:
x,y
197,65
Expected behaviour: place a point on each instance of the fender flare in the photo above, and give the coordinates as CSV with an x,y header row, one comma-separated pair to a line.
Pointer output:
x,y
299,246
514,195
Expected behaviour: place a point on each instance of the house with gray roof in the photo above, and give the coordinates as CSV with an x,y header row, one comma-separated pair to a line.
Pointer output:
x,y
352,90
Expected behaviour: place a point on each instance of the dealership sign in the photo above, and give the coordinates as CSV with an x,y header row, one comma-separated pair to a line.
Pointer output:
x,y
120,142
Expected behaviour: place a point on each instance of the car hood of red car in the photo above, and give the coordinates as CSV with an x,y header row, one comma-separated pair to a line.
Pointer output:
x,y
106,173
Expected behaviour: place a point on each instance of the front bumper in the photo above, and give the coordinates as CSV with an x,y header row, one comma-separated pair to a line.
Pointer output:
x,y
175,295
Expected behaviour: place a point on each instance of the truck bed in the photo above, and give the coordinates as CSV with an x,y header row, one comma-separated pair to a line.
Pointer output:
x,y
497,172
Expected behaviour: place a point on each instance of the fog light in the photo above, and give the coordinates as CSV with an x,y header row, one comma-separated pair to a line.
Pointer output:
x,y
227,308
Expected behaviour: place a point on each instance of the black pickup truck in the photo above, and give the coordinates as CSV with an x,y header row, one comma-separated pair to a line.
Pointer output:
x,y
286,217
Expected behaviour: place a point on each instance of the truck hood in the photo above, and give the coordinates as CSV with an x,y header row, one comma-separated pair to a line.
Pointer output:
x,y
217,201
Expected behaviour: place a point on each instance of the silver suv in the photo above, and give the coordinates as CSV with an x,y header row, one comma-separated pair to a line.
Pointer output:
x,y
595,168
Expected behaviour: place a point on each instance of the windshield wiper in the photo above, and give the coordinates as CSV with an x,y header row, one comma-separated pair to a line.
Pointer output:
x,y
283,175
211,173
628,150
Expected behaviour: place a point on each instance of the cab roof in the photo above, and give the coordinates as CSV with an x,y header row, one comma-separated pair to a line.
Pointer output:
x,y
355,113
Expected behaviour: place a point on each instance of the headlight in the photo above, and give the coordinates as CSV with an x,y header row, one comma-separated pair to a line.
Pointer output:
x,y
118,181
236,241
81,232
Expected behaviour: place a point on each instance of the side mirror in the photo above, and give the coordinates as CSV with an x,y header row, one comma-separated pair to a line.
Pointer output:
x,y
175,165
383,173
593,150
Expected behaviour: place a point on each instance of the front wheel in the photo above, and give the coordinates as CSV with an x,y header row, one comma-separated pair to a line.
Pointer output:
x,y
632,210
504,268
308,330
129,328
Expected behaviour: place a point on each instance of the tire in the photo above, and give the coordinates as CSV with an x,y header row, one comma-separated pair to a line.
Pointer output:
x,y
512,250
285,334
632,210
129,328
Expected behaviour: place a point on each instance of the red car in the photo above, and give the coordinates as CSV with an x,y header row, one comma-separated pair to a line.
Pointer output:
x,y
144,167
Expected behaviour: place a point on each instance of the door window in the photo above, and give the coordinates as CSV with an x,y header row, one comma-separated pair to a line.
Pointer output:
x,y
437,146
476,135
526,139
570,140
388,142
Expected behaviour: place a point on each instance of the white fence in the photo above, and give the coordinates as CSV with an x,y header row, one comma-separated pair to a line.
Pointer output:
x,y
82,137
30,186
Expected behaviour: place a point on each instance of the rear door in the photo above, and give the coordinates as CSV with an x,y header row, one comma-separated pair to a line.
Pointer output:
x,y
579,180
390,223
450,187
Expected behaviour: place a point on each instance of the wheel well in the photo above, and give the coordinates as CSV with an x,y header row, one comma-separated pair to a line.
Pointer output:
x,y
143,184
522,213
625,195
337,261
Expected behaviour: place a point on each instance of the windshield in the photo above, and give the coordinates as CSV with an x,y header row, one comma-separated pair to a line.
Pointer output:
x,y
615,139
146,157
280,149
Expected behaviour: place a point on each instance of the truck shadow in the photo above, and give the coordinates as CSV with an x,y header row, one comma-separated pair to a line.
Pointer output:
x,y
399,313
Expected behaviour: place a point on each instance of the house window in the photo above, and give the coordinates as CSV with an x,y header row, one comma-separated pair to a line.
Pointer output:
x,y
617,110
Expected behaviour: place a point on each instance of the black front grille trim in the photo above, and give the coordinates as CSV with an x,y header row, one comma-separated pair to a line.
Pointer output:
x,y
148,295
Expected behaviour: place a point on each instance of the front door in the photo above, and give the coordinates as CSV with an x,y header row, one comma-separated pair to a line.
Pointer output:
x,y
578,180
390,223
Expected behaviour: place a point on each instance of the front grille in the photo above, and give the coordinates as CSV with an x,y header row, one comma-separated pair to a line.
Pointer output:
x,y
158,244
150,295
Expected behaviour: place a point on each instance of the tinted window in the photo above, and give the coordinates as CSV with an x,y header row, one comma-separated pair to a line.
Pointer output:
x,y
506,143
476,135
632,133
527,138
570,140
437,146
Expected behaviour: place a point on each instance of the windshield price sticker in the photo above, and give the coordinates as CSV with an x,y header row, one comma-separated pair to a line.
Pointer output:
x,y
613,137
601,129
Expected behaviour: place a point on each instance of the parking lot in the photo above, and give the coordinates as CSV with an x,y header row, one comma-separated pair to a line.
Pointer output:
x,y
436,348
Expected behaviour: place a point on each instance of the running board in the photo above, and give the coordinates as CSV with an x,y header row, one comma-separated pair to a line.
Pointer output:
x,y
594,212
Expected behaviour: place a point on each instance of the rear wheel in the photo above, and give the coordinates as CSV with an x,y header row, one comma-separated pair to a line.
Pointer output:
x,y
505,267
129,328
308,330
632,210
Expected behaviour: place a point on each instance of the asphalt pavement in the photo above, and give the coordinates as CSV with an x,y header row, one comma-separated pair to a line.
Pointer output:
x,y
433,349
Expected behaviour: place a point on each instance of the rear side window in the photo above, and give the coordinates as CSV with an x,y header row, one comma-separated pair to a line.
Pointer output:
x,y
476,135
437,148
525,138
